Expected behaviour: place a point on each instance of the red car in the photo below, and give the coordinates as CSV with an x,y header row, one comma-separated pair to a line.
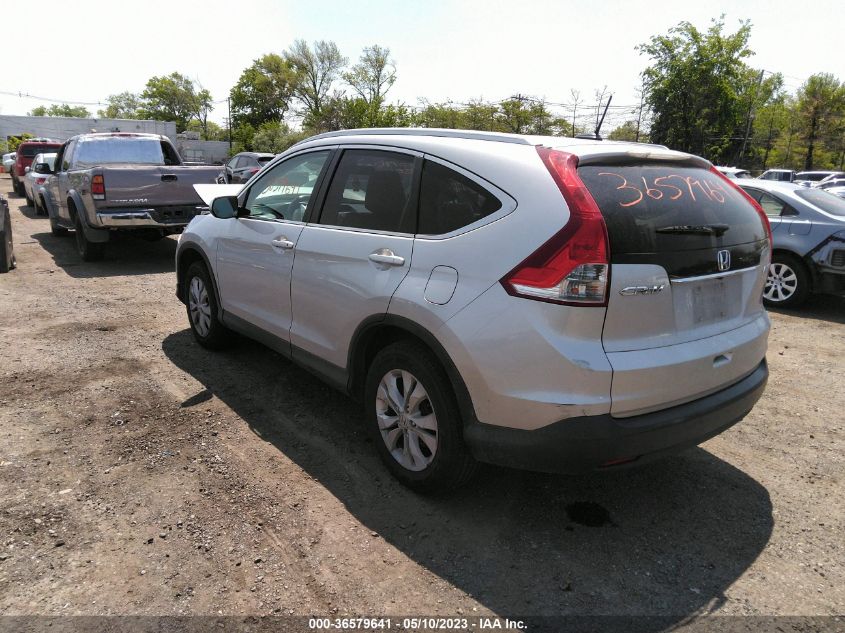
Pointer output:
x,y
26,152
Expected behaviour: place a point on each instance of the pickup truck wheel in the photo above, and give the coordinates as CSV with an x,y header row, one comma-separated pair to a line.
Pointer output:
x,y
55,229
202,305
415,420
88,251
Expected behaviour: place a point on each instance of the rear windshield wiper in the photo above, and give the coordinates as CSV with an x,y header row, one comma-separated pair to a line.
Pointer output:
x,y
696,229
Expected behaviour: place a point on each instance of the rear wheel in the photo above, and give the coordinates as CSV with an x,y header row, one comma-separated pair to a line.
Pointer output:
x,y
787,283
415,420
203,308
7,250
88,251
40,207
29,201
55,229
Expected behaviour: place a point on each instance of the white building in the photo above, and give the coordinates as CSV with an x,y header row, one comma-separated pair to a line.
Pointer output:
x,y
62,128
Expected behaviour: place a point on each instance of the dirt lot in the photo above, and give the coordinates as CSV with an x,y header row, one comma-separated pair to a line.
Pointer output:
x,y
140,474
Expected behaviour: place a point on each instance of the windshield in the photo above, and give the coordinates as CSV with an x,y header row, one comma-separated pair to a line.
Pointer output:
x,y
824,200
119,150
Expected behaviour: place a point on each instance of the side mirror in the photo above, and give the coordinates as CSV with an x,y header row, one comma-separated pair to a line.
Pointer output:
x,y
225,207
27,170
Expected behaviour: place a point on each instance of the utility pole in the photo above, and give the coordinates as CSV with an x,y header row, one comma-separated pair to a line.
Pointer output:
x,y
748,117
640,114
229,106
769,141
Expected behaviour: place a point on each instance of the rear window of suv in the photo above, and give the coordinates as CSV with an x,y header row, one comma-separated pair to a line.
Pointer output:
x,y
651,208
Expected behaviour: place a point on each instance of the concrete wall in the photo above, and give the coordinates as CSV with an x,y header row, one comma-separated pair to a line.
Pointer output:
x,y
62,128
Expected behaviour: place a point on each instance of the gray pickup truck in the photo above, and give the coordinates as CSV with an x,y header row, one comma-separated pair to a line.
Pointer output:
x,y
109,182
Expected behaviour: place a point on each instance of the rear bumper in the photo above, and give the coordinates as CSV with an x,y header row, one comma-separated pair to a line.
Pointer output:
x,y
587,443
148,218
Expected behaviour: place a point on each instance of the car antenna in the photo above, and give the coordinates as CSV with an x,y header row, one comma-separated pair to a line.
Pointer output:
x,y
606,106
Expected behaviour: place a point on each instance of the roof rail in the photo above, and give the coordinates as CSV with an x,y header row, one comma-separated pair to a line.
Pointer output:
x,y
425,131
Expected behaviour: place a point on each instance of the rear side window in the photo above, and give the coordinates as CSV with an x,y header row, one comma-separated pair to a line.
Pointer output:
x,y
371,189
824,200
265,159
450,201
651,208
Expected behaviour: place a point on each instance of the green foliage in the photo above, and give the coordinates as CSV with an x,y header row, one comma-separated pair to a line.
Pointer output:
x,y
373,75
625,132
126,105
275,137
264,90
820,108
176,98
64,109
700,89
345,113
213,131
14,141
316,68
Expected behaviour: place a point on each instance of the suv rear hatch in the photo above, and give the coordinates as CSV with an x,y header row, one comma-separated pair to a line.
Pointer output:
x,y
688,253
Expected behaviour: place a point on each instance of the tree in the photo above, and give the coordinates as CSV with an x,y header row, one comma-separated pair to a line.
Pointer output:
x,y
625,132
373,75
80,112
275,137
700,90
340,112
126,105
821,108
264,90
176,98
317,69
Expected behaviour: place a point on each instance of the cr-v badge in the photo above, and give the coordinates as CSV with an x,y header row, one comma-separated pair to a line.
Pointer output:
x,y
641,290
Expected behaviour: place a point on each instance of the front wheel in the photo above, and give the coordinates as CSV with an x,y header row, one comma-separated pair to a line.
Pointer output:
x,y
202,306
787,282
415,420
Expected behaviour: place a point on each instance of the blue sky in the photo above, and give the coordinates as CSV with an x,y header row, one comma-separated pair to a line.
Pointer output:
x,y
443,50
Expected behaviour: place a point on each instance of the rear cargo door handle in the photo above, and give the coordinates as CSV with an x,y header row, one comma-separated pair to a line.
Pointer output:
x,y
169,178
282,243
386,257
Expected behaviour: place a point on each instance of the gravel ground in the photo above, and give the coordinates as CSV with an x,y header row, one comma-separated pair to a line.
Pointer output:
x,y
141,474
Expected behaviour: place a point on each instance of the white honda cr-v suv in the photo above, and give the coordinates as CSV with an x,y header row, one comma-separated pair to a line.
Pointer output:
x,y
548,303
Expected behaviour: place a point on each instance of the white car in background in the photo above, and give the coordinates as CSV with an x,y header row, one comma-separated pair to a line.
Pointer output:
x,y
35,181
8,161
734,173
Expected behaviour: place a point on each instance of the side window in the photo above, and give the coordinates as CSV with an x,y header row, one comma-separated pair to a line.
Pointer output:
x,y
371,189
233,162
771,205
67,156
284,192
754,193
449,200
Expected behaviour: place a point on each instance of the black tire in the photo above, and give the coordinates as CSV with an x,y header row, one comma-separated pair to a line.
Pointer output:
x,y
88,251
451,465
789,278
7,248
40,208
55,229
17,187
217,336
29,201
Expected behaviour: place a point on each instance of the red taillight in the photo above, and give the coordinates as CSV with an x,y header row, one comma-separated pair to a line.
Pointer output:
x,y
763,217
572,268
98,187
252,172
40,181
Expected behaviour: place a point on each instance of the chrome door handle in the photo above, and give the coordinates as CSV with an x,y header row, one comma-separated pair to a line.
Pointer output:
x,y
387,257
283,243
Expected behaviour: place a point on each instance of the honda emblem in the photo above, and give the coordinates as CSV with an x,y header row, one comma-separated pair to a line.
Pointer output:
x,y
723,259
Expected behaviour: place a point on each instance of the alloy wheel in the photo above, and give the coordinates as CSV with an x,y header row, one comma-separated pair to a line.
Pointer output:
x,y
199,306
406,420
781,283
